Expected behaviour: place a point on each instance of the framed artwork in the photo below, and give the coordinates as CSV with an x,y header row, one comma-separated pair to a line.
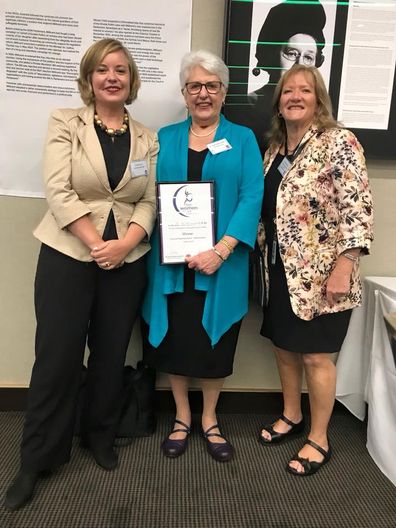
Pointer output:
x,y
352,43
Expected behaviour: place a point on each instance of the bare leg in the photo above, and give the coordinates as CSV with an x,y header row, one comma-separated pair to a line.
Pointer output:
x,y
320,372
290,372
179,386
211,391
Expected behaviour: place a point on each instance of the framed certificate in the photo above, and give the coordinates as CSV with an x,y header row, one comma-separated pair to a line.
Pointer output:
x,y
186,214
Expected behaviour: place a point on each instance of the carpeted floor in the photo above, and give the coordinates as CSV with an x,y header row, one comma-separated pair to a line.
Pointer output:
x,y
252,491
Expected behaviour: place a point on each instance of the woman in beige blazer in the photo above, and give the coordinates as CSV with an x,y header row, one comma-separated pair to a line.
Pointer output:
x,y
318,219
99,178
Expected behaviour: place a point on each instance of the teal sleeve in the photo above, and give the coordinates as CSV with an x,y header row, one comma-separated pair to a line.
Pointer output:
x,y
244,221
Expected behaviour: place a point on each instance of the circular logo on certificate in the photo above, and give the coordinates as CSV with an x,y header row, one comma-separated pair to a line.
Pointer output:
x,y
183,201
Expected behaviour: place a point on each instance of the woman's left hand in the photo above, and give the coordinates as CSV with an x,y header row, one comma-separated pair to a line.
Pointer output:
x,y
110,254
206,262
339,281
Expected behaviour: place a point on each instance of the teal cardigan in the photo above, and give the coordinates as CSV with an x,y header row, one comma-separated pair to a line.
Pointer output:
x,y
238,176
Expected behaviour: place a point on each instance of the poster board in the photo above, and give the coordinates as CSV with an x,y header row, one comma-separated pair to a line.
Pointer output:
x,y
356,40
41,45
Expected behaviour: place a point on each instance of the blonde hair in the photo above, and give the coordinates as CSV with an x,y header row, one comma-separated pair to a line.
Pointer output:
x,y
94,56
323,115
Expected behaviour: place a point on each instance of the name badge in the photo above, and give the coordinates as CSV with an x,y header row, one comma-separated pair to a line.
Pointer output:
x,y
219,146
284,166
139,168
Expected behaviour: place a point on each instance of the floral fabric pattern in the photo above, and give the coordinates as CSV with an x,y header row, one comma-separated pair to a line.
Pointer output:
x,y
324,207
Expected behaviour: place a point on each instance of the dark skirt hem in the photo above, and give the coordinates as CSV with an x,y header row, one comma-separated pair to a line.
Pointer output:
x,y
289,348
177,372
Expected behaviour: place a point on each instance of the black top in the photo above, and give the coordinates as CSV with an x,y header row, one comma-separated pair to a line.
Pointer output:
x,y
116,156
195,163
271,182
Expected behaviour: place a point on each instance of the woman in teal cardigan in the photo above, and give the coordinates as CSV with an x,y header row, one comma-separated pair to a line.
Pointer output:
x,y
192,313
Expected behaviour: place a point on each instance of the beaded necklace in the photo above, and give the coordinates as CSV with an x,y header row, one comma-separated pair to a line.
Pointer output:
x,y
113,131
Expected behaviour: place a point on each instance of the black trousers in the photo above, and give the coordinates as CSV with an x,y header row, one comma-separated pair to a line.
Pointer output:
x,y
78,303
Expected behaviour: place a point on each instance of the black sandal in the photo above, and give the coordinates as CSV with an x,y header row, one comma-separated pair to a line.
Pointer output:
x,y
276,437
310,467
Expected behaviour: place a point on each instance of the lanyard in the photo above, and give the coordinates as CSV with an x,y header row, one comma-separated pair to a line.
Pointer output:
x,y
287,161
297,151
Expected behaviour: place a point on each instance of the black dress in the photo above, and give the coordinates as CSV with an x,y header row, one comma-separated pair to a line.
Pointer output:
x,y
323,334
186,349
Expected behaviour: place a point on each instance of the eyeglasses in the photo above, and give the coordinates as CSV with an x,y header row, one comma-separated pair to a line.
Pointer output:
x,y
293,55
212,87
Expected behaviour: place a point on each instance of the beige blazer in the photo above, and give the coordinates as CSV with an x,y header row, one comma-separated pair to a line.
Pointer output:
x,y
76,183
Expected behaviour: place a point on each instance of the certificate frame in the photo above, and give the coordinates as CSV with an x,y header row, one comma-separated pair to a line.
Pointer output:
x,y
186,219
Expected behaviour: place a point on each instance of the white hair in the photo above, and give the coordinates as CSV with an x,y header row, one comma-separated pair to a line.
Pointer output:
x,y
207,60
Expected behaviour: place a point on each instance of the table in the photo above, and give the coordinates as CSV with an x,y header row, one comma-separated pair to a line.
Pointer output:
x,y
366,371
390,321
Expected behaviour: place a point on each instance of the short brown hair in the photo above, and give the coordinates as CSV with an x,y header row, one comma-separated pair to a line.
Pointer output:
x,y
93,56
324,114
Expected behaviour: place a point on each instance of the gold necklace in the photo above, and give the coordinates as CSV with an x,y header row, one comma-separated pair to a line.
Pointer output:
x,y
204,135
113,131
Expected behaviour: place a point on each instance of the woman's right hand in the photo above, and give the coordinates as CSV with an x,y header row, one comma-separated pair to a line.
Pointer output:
x,y
339,281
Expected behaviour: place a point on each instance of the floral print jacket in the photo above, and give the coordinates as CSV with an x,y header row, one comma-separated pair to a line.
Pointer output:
x,y
324,207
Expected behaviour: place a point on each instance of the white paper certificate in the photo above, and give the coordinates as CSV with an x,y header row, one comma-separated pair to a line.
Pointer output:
x,y
186,213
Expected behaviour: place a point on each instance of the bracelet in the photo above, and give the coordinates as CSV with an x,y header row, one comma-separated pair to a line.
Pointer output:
x,y
219,254
350,257
227,245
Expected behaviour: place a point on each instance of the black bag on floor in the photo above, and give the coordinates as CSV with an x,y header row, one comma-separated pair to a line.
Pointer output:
x,y
137,416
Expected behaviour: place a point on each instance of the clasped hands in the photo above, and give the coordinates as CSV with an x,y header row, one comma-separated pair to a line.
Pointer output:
x,y
110,254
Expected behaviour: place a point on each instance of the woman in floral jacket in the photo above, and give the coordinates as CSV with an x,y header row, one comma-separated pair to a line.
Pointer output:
x,y
316,222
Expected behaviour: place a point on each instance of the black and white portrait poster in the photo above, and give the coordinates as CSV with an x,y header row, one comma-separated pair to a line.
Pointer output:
x,y
352,43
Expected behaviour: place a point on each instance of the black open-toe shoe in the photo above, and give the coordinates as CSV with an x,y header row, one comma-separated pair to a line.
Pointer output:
x,y
276,438
220,451
310,467
173,448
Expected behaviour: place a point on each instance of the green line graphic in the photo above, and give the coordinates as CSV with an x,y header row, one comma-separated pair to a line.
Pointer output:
x,y
306,2
279,43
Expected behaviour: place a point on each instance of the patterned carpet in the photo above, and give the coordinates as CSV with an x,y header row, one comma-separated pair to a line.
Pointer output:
x,y
252,491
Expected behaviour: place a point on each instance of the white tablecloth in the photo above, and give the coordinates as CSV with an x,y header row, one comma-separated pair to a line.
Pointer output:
x,y
366,371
